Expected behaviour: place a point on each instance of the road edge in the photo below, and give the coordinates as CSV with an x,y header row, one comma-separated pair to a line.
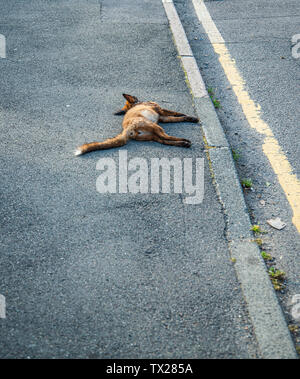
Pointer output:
x,y
271,331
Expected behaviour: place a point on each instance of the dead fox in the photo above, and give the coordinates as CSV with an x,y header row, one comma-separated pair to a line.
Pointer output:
x,y
140,124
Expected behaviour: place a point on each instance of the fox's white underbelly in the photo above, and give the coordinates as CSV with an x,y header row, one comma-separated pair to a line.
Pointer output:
x,y
151,116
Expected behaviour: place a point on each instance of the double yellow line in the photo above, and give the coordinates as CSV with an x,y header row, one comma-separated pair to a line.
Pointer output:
x,y
271,148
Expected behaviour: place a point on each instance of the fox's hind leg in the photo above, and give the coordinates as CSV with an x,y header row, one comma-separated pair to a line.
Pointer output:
x,y
153,132
165,139
181,142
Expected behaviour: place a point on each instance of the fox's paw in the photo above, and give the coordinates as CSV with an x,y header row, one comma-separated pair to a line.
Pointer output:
x,y
192,119
186,143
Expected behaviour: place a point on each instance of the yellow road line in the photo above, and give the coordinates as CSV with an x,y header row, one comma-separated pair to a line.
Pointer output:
x,y
271,148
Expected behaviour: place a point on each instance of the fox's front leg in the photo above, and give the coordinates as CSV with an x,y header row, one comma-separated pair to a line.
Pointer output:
x,y
166,115
167,112
178,119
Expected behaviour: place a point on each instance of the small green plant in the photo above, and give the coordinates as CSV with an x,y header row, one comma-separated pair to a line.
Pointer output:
x,y
258,241
277,277
246,183
235,155
293,328
278,286
266,256
276,274
215,102
257,229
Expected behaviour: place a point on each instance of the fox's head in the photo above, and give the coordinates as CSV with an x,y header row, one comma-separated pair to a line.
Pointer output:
x,y
130,102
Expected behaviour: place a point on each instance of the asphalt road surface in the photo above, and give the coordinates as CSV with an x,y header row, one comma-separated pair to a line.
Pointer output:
x,y
88,275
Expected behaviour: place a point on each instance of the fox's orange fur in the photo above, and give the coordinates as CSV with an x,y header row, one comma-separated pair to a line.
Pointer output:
x,y
140,123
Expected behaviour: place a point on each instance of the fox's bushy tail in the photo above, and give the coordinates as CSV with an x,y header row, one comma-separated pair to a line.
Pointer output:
x,y
117,141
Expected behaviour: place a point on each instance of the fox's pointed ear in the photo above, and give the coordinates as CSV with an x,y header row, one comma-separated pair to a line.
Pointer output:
x,y
130,99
